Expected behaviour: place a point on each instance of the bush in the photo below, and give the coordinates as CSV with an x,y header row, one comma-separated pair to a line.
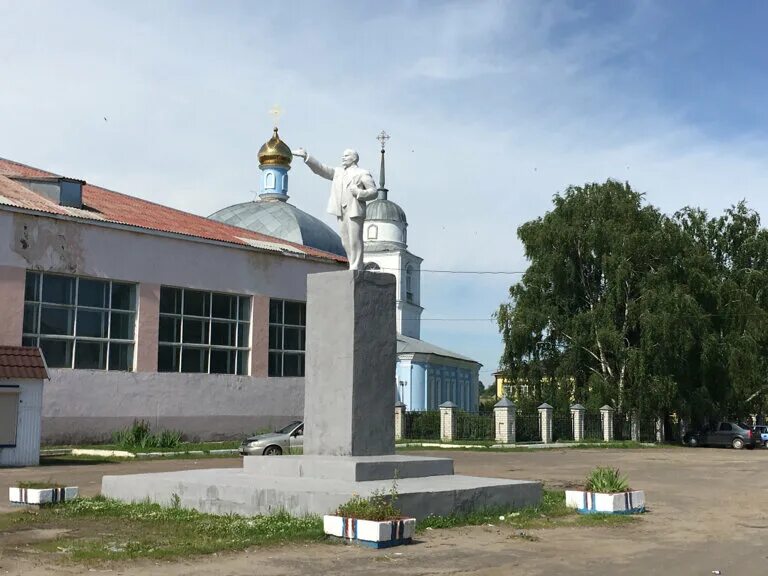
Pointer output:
x,y
379,506
606,480
139,436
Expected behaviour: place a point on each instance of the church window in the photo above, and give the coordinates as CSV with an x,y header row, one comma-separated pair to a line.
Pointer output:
x,y
206,332
80,322
285,182
372,267
269,181
409,283
373,232
287,337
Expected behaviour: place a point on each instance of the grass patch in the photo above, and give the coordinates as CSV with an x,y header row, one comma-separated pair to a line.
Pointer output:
x,y
38,485
486,447
550,513
104,530
99,529
183,447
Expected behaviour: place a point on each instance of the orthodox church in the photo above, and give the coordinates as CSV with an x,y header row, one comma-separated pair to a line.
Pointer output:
x,y
427,375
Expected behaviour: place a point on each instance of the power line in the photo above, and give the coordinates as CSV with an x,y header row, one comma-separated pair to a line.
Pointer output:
x,y
477,272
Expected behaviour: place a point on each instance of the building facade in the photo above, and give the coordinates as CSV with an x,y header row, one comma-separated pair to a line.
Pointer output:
x,y
427,375
146,312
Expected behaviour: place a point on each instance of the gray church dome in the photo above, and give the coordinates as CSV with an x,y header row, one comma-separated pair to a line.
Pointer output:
x,y
271,214
282,220
383,209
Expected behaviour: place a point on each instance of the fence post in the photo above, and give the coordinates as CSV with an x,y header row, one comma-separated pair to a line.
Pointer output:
x,y
577,422
399,420
660,430
606,413
504,416
545,423
447,421
634,427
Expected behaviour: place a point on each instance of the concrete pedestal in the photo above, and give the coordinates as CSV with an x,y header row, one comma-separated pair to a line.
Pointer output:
x,y
233,491
349,436
349,393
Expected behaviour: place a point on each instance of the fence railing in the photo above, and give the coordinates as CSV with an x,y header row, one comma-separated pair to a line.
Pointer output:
x,y
471,426
506,425
422,425
528,428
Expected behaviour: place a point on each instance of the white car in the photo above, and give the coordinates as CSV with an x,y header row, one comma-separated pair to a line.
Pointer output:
x,y
275,443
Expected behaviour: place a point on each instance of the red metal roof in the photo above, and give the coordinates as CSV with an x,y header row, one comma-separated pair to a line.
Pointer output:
x,y
100,204
22,362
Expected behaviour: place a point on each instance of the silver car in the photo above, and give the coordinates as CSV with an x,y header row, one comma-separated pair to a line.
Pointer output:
x,y
275,443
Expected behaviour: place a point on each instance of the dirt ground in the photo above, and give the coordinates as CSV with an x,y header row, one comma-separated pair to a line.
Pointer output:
x,y
708,511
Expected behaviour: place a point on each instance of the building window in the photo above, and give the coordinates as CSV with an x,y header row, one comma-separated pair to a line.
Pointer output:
x,y
372,267
287,337
373,232
409,283
80,322
204,332
269,181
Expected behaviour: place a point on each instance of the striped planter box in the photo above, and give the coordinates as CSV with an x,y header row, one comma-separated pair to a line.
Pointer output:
x,y
38,496
369,532
632,502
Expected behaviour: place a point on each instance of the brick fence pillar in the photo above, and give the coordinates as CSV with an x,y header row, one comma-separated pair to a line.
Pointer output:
x,y
399,420
577,421
504,417
606,414
545,423
448,421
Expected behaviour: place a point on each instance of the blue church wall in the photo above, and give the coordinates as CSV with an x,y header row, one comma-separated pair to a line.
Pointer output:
x,y
426,385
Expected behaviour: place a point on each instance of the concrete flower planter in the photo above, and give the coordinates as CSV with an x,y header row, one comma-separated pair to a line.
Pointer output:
x,y
369,532
630,502
39,496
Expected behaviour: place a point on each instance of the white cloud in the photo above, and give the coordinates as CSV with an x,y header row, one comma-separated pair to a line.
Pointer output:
x,y
492,108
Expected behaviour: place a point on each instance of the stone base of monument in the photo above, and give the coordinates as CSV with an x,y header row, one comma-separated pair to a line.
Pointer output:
x,y
304,485
349,432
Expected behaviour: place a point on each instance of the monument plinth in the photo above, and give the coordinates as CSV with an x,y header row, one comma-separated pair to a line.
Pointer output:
x,y
349,434
349,392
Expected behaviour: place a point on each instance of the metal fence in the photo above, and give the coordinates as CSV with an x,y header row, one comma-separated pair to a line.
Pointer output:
x,y
471,426
527,428
562,427
593,426
422,425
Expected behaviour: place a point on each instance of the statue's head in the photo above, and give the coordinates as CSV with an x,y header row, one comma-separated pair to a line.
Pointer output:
x,y
349,157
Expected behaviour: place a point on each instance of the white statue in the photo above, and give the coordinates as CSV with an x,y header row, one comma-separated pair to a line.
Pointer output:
x,y
351,188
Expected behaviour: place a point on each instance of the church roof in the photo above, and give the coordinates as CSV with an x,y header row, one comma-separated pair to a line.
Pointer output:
x,y
282,220
383,209
408,345
102,205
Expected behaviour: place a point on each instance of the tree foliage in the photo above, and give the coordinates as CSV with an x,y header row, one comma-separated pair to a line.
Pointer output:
x,y
624,305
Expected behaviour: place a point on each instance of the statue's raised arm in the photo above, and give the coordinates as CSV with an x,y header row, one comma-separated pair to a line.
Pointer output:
x,y
351,188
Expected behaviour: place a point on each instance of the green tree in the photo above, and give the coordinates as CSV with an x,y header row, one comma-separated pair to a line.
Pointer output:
x,y
601,262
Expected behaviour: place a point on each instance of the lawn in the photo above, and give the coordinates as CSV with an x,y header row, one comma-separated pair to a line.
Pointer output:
x,y
97,529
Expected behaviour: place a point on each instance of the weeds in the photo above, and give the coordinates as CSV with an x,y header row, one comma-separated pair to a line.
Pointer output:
x,y
138,436
606,480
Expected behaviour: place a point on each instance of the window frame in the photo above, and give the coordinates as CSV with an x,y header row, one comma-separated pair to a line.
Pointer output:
x,y
75,307
241,325
301,353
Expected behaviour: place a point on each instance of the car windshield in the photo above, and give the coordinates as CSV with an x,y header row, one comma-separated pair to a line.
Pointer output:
x,y
288,428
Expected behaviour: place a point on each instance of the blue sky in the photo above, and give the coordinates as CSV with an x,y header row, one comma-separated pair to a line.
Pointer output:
x,y
493,107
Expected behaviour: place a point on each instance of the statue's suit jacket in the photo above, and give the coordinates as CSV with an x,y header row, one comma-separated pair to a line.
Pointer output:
x,y
341,199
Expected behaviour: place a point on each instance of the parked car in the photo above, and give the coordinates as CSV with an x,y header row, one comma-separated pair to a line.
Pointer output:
x,y
732,434
763,431
275,443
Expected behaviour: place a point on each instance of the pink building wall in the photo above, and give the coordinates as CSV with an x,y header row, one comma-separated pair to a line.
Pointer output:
x,y
88,404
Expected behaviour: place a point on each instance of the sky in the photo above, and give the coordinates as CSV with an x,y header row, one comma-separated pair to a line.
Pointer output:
x,y
492,107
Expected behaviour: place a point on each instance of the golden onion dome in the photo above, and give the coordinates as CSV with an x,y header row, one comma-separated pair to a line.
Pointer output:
x,y
275,152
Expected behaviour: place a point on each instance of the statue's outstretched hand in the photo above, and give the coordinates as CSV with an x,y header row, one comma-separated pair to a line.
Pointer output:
x,y
300,152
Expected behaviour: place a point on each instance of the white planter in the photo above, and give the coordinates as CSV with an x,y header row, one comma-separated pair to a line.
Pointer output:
x,y
369,532
632,502
39,496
